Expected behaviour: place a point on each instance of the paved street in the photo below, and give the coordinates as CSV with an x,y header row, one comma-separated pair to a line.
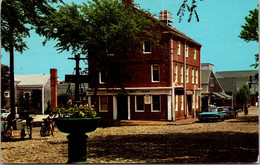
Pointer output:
x,y
231,141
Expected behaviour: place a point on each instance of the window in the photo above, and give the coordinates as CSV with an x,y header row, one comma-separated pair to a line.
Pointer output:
x,y
27,95
176,73
182,103
187,75
103,103
176,102
156,105
196,76
7,94
179,48
195,53
147,47
155,73
192,76
110,51
193,100
140,103
186,51
103,76
197,101
181,74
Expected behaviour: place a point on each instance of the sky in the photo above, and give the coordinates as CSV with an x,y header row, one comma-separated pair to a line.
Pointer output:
x,y
217,31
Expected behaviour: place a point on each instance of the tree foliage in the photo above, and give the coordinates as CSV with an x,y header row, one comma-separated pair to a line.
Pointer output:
x,y
250,30
5,83
18,17
191,9
98,24
243,95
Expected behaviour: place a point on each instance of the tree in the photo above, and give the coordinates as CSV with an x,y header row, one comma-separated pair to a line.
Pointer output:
x,y
18,17
191,9
243,95
5,83
98,27
249,31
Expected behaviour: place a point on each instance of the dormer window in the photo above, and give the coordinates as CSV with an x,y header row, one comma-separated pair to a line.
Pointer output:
x,y
147,47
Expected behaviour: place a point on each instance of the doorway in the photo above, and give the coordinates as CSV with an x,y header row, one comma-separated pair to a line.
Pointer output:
x,y
122,107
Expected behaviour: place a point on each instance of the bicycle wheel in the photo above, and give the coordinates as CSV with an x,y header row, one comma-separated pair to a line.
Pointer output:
x,y
42,132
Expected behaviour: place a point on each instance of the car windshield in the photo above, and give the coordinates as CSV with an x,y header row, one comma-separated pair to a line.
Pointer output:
x,y
212,109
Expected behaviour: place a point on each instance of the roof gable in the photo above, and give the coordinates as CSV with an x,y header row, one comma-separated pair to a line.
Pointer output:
x,y
32,80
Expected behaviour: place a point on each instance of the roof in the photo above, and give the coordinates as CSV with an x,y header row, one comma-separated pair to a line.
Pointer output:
x,y
205,76
236,74
171,29
227,84
31,80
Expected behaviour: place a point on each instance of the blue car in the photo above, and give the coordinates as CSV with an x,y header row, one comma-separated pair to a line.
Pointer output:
x,y
213,114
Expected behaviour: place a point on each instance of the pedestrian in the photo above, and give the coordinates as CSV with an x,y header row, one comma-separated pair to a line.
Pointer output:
x,y
11,120
246,110
50,119
29,121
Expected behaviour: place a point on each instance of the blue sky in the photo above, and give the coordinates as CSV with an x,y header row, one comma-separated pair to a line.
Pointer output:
x,y
218,28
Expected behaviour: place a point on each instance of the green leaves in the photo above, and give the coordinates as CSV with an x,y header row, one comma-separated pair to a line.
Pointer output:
x,y
249,30
76,111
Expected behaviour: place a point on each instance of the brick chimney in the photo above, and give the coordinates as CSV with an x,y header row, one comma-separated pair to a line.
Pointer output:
x,y
54,100
128,2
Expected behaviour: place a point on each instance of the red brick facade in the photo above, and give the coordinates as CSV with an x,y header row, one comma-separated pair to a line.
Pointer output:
x,y
151,77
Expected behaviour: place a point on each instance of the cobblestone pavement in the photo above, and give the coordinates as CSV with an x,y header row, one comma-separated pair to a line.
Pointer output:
x,y
231,141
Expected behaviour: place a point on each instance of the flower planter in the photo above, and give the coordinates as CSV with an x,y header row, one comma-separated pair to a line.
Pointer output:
x,y
77,127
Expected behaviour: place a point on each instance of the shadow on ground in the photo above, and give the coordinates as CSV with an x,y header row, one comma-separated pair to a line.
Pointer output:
x,y
213,147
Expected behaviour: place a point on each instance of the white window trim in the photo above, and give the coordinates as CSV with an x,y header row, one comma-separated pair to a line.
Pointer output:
x,y
7,94
152,110
182,103
197,79
152,73
186,51
136,105
176,102
193,101
181,74
102,110
30,94
144,48
100,82
176,73
195,53
192,74
187,75
179,48
197,101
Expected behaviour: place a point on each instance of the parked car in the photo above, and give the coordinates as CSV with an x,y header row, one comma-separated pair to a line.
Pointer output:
x,y
231,113
213,114
4,113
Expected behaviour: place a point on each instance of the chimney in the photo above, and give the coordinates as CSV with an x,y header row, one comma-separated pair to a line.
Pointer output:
x,y
128,2
166,17
54,100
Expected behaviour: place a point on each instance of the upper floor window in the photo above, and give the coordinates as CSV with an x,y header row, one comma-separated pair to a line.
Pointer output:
x,y
156,103
192,76
103,103
179,48
155,73
195,53
181,74
140,103
7,94
102,76
186,51
176,73
197,79
27,95
187,75
147,47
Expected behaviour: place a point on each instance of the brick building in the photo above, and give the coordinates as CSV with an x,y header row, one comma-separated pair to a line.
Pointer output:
x,y
158,83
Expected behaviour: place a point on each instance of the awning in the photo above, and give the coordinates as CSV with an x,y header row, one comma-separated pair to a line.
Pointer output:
x,y
222,95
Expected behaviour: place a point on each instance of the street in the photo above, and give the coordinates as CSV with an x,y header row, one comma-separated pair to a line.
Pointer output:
x,y
230,141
